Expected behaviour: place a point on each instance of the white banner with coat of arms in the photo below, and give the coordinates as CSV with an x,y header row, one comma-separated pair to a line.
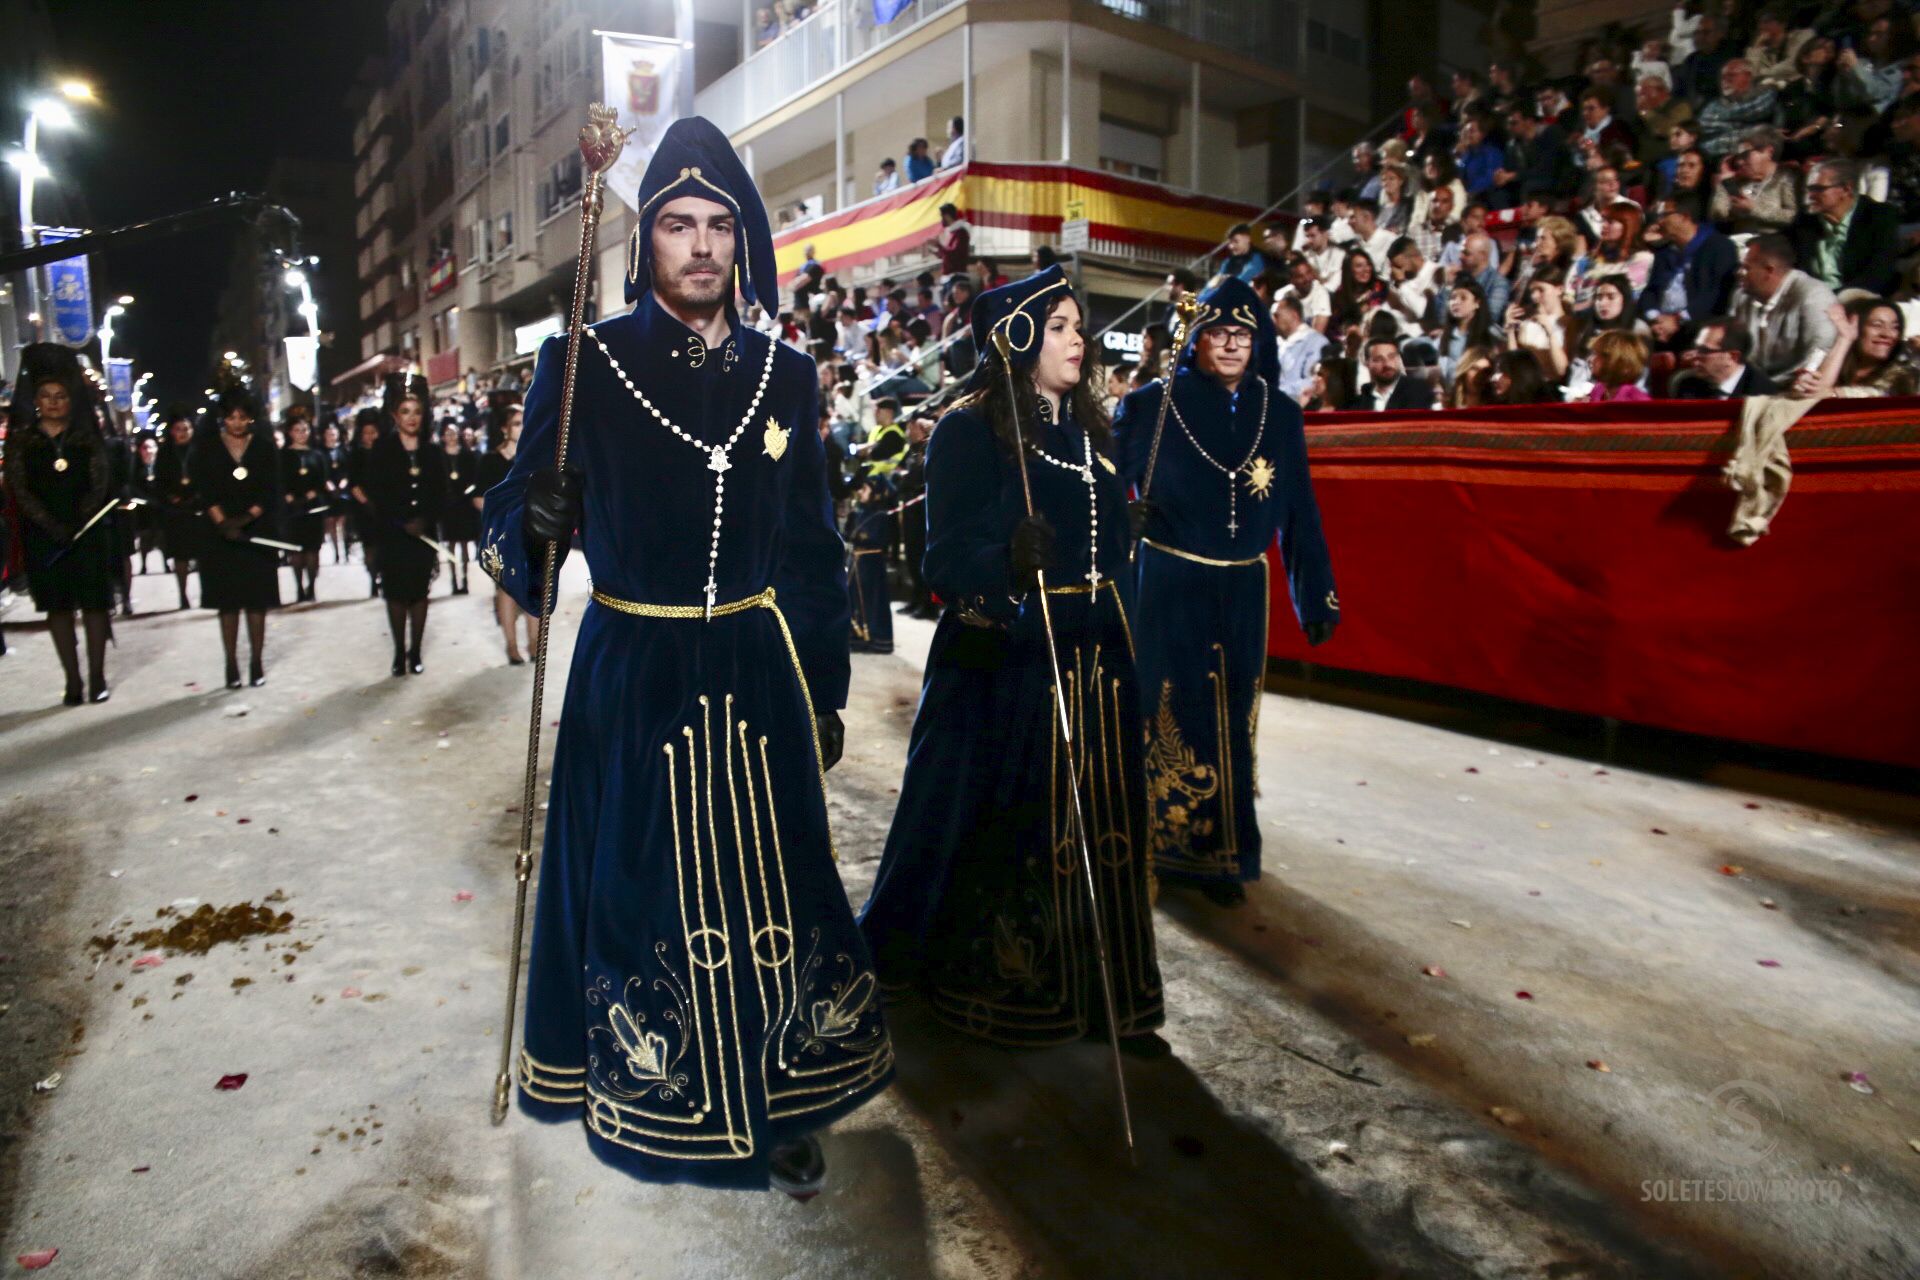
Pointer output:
x,y
649,82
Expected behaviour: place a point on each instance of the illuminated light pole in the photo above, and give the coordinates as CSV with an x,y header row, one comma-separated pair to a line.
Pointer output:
x,y
54,113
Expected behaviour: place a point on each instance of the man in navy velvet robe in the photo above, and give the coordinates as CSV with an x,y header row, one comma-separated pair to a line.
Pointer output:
x,y
697,991
1230,482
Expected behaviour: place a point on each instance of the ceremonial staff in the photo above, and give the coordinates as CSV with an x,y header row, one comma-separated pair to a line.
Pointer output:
x,y
601,140
1184,311
1000,344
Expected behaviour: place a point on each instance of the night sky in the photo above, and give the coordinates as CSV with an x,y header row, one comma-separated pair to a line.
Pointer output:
x,y
198,98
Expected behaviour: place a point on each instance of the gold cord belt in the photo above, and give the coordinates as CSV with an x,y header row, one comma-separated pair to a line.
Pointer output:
x,y
1084,588
764,600
1188,555
869,551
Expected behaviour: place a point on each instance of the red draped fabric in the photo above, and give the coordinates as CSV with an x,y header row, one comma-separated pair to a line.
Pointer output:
x,y
1576,557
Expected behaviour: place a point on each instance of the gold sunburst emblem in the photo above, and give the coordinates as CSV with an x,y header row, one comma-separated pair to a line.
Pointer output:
x,y
1260,475
775,438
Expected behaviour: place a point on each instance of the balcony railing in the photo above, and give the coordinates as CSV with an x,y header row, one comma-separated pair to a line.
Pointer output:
x,y
842,32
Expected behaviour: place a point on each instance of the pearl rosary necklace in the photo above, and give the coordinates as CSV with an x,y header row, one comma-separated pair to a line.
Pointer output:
x,y
1256,481
717,460
1084,469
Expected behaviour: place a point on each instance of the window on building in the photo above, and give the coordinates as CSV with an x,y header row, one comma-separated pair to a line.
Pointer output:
x,y
1346,47
1131,151
482,48
1316,36
503,235
561,185
502,134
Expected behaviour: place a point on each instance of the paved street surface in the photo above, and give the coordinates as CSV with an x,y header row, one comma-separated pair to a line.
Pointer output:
x,y
1491,1013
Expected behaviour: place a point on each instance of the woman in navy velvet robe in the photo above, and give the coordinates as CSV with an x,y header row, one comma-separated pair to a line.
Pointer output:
x,y
980,901
1230,482
697,990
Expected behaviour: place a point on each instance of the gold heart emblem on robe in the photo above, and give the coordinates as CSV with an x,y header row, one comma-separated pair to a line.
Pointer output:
x,y
775,438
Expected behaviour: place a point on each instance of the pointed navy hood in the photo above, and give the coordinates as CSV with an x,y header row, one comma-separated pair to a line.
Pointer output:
x,y
695,159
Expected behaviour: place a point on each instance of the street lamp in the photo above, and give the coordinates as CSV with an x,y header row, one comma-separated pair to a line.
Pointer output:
x,y
54,113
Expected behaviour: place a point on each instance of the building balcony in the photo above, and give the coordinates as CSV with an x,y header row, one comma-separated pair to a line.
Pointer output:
x,y
842,33
1011,208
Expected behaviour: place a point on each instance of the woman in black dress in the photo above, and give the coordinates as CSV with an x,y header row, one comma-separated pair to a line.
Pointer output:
x,y
404,485
368,428
235,481
340,501
57,471
303,500
492,469
459,521
180,523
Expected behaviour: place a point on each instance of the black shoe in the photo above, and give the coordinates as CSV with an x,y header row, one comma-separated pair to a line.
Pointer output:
x,y
183,601
798,1168
75,694
413,662
373,588
1225,893
256,674
233,674
515,660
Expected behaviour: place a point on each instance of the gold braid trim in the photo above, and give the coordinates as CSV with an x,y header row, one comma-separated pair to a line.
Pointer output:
x,y
762,601
1188,555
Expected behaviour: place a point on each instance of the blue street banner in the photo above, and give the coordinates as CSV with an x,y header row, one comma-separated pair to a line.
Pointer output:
x,y
120,381
885,11
69,294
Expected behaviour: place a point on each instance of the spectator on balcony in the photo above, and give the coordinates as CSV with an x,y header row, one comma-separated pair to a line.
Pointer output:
x,y
1903,165
1315,205
1432,137
956,153
1301,346
1844,240
807,280
1180,283
1741,107
1366,170
919,163
1693,274
1720,370
766,28
1541,324
954,244
1519,378
1420,95
1316,303
888,178
849,335
1603,74
986,274
1784,309
1243,261
1389,390
1537,163
1659,112
1043,257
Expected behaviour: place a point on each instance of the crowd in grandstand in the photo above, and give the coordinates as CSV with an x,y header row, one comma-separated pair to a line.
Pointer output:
x,y
1728,206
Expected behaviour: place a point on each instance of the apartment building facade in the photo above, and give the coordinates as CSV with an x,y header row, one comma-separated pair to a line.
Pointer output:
x,y
1130,131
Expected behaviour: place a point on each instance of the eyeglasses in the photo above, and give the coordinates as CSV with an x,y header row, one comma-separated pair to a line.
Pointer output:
x,y
1230,339
1707,351
1822,186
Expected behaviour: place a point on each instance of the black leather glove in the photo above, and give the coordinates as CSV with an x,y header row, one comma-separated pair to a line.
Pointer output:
x,y
414,528
833,738
551,508
233,528
1318,633
1030,550
1140,516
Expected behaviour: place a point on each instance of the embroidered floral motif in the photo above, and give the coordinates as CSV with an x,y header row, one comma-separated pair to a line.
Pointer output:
x,y
490,559
1176,783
